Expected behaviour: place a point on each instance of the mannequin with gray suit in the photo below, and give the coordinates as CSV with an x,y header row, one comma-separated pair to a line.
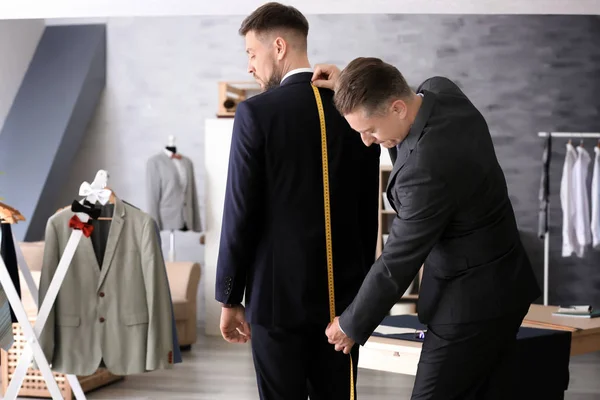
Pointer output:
x,y
171,191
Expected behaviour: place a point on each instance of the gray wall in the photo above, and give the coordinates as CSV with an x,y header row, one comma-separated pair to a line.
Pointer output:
x,y
47,120
525,73
18,41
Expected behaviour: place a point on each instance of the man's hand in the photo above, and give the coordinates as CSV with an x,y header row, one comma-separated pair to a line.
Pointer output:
x,y
338,338
234,327
325,76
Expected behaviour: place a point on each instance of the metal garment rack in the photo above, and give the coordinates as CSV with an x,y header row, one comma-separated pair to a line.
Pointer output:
x,y
570,135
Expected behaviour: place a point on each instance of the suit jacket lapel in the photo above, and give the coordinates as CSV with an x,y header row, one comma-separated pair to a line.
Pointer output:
x,y
414,134
116,227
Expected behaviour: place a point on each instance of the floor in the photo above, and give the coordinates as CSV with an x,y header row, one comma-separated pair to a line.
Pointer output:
x,y
216,370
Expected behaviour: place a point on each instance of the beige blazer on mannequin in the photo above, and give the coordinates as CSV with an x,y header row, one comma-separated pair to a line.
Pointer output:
x,y
118,314
171,203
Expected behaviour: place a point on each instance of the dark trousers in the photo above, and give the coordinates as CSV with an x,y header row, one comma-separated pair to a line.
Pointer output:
x,y
474,361
300,363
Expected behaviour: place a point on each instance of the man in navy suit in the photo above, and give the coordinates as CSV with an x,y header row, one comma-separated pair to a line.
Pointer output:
x,y
273,246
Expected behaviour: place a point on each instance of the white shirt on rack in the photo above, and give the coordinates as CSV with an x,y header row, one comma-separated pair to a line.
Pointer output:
x,y
595,196
582,205
570,244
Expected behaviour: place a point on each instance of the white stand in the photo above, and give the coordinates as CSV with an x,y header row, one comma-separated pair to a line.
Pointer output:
x,y
32,334
19,310
93,192
172,246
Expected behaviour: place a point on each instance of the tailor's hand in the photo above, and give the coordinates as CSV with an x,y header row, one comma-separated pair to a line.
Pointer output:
x,y
325,76
338,338
234,327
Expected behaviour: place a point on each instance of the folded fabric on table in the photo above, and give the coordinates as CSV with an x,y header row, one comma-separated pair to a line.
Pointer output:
x,y
543,357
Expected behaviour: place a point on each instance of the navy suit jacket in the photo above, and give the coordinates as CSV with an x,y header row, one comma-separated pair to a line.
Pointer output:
x,y
272,246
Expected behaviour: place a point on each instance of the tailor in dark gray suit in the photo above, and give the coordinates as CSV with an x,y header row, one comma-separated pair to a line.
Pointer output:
x,y
454,215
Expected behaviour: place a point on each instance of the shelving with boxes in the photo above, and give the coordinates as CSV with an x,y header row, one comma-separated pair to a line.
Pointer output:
x,y
407,303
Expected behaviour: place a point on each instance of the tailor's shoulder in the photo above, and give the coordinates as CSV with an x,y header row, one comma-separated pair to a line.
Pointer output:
x,y
438,84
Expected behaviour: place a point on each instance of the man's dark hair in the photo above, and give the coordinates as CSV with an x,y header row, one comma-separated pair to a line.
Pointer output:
x,y
368,83
272,16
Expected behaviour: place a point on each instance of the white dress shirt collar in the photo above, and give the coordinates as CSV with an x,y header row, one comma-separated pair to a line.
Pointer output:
x,y
295,71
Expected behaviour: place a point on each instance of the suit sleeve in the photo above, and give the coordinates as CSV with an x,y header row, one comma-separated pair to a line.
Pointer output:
x,y
159,347
426,206
50,262
242,210
369,196
153,192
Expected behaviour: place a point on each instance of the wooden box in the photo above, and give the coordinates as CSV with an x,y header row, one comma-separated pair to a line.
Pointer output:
x,y
34,384
231,94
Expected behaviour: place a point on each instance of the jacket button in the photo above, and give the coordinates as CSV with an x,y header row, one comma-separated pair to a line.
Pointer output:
x,y
101,294
101,319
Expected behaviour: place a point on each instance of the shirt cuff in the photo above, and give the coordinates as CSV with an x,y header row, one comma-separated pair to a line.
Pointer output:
x,y
340,325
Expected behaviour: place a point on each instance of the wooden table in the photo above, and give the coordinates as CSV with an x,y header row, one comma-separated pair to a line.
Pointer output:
x,y
585,332
402,356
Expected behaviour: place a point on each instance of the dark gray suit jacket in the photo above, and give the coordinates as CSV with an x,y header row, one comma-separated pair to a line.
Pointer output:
x,y
454,215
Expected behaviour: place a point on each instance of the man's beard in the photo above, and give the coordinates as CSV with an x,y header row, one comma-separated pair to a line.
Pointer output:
x,y
274,80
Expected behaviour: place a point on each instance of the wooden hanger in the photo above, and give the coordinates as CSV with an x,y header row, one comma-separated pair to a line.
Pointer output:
x,y
10,215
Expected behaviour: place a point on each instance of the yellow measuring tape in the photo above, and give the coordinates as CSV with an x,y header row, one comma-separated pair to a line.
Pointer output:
x,y
328,223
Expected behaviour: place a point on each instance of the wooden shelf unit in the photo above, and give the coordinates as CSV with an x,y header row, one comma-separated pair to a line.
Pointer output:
x,y
232,93
386,217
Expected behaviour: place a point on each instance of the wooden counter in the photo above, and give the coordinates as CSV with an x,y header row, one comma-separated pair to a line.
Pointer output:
x,y
585,331
402,356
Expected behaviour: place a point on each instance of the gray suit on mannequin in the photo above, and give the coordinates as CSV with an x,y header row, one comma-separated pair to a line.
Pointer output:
x,y
171,202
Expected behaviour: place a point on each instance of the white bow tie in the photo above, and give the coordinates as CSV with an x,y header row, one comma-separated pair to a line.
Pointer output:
x,y
94,194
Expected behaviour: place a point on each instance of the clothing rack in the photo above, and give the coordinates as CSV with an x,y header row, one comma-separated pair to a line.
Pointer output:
x,y
93,192
580,135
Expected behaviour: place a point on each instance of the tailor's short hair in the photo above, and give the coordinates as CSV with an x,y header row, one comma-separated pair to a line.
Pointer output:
x,y
367,83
